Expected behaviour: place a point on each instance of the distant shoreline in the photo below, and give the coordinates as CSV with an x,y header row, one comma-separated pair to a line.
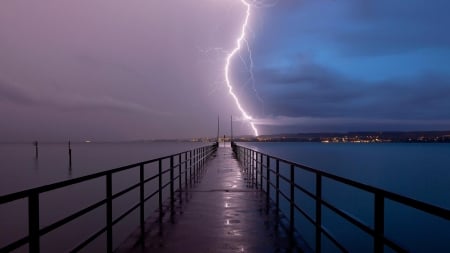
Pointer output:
x,y
325,137
358,137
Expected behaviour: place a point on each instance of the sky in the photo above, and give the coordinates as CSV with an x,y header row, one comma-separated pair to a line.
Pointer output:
x,y
132,70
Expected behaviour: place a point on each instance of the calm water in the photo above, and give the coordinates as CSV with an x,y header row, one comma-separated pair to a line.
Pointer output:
x,y
20,170
420,171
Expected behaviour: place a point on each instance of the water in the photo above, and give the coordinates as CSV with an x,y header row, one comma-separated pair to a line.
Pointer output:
x,y
21,170
419,171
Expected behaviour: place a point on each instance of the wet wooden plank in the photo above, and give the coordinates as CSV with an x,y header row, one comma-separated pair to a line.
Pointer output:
x,y
221,214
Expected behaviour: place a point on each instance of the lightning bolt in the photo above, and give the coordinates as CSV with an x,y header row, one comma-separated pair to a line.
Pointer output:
x,y
239,41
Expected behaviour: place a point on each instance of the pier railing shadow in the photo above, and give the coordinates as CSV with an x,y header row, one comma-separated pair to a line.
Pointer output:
x,y
187,166
267,172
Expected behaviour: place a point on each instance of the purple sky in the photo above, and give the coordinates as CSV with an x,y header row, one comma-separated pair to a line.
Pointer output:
x,y
114,70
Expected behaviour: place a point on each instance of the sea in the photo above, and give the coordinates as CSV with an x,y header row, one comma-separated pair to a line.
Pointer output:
x,y
417,170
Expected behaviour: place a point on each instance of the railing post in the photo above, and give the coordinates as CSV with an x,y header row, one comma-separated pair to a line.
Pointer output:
x,y
160,191
252,162
195,166
33,223
141,197
172,196
268,180
190,168
277,183
109,230
245,152
203,157
247,162
261,171
378,245
247,166
256,170
318,213
179,179
185,172
292,200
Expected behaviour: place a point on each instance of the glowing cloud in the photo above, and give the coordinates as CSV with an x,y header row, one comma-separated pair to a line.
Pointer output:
x,y
227,68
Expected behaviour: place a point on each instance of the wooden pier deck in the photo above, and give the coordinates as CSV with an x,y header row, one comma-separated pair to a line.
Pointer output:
x,y
221,214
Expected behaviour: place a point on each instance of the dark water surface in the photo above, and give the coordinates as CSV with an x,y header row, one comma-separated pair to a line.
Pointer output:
x,y
419,171
19,170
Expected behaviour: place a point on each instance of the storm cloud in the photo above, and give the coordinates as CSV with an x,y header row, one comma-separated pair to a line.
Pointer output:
x,y
102,70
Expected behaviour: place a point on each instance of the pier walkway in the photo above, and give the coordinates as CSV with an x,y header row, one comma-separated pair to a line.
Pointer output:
x,y
222,214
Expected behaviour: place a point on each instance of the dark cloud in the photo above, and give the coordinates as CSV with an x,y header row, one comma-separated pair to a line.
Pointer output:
x,y
159,64
314,91
356,28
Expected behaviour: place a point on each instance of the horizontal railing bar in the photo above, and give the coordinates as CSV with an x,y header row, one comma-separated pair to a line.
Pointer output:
x,y
332,239
349,218
165,185
70,218
125,191
273,185
89,240
15,245
305,191
40,189
287,180
151,195
428,208
304,214
165,171
285,196
126,213
151,178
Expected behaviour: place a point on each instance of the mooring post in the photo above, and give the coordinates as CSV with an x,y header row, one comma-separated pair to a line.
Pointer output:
x,y
36,149
70,155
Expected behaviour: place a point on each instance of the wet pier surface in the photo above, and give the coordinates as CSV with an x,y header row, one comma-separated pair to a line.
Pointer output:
x,y
221,214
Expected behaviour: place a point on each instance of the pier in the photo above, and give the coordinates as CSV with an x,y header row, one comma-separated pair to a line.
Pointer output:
x,y
226,198
223,213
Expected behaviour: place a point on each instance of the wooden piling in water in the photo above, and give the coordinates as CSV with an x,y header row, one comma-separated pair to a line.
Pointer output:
x,y
36,149
70,155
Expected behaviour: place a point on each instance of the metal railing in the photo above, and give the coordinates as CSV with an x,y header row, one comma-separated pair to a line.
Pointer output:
x,y
259,169
190,167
